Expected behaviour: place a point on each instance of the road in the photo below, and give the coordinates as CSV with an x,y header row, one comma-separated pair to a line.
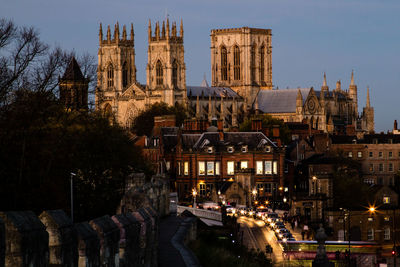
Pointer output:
x,y
257,236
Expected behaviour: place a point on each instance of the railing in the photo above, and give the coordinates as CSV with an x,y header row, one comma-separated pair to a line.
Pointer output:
x,y
205,214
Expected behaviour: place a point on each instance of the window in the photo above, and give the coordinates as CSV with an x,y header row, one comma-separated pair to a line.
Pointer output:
x,y
370,234
386,200
243,165
210,149
370,219
175,74
202,168
387,219
230,149
253,63
275,167
350,154
259,167
179,168
268,167
159,73
224,64
371,154
359,154
262,66
380,154
286,170
230,167
268,149
390,154
202,188
399,153
268,188
168,165
244,149
236,63
386,233
210,167
381,167
371,167
110,76
341,235
125,75
390,167
186,168
217,168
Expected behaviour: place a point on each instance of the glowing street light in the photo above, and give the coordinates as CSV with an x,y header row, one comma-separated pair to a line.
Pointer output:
x,y
372,209
194,193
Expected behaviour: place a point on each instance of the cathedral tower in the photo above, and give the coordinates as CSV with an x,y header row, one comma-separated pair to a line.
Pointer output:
x,y
74,87
368,121
166,69
116,60
353,96
241,58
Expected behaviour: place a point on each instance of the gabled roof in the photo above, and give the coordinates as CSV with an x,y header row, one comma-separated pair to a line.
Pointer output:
x,y
73,71
280,101
206,91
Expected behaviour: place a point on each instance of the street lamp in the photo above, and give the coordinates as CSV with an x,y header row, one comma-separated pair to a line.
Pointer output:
x,y
194,193
72,195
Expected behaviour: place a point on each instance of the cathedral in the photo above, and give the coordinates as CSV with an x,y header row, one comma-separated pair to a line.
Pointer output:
x,y
241,83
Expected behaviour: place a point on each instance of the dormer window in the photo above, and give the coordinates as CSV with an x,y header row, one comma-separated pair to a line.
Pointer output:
x,y
210,149
268,149
230,149
244,149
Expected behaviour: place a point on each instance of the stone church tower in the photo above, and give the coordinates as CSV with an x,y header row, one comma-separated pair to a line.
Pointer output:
x,y
166,69
241,58
74,87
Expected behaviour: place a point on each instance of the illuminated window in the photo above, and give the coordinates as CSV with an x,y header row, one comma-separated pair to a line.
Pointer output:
x,y
236,63
370,234
350,155
371,167
243,165
359,154
386,200
230,167
387,219
168,165
386,233
159,73
244,149
275,167
341,235
217,168
179,168
224,64
210,167
202,168
268,167
186,168
230,149
259,167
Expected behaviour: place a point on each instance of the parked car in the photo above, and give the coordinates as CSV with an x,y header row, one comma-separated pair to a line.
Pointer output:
x,y
209,205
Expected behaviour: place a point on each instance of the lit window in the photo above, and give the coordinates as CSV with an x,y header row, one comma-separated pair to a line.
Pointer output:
x,y
350,155
371,154
390,154
387,219
268,149
275,167
268,167
244,149
259,167
168,165
390,167
179,168
359,154
210,167
230,167
386,233
371,167
243,165
230,149
202,168
186,168
370,234
370,219
386,200
341,235
217,168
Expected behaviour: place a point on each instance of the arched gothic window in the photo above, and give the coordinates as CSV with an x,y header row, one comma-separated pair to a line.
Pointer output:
x,y
224,64
253,63
175,74
125,75
110,76
262,67
107,110
236,63
159,73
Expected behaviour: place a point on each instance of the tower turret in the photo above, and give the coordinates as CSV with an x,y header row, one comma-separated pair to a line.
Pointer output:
x,y
149,30
124,33
100,34
353,95
181,30
132,34
108,33
324,87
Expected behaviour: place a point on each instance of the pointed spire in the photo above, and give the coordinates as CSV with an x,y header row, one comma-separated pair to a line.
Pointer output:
x,y
324,83
149,30
132,32
368,101
116,32
181,30
167,28
198,106
299,96
124,33
338,86
163,29
352,78
157,30
101,33
173,29
108,33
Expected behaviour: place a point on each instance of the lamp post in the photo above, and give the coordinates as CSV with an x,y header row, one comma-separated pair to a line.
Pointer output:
x,y
194,193
72,195
254,193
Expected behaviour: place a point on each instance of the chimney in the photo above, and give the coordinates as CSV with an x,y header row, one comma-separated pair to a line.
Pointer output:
x,y
256,125
221,130
395,125
275,131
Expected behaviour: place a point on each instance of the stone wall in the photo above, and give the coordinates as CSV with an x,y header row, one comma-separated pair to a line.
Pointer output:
x,y
52,239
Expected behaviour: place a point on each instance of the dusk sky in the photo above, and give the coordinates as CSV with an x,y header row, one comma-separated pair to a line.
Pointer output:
x,y
310,37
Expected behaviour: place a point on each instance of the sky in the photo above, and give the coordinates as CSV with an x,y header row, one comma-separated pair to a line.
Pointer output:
x,y
310,37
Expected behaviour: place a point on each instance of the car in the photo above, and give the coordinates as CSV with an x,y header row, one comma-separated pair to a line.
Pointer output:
x,y
261,211
209,205
230,209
